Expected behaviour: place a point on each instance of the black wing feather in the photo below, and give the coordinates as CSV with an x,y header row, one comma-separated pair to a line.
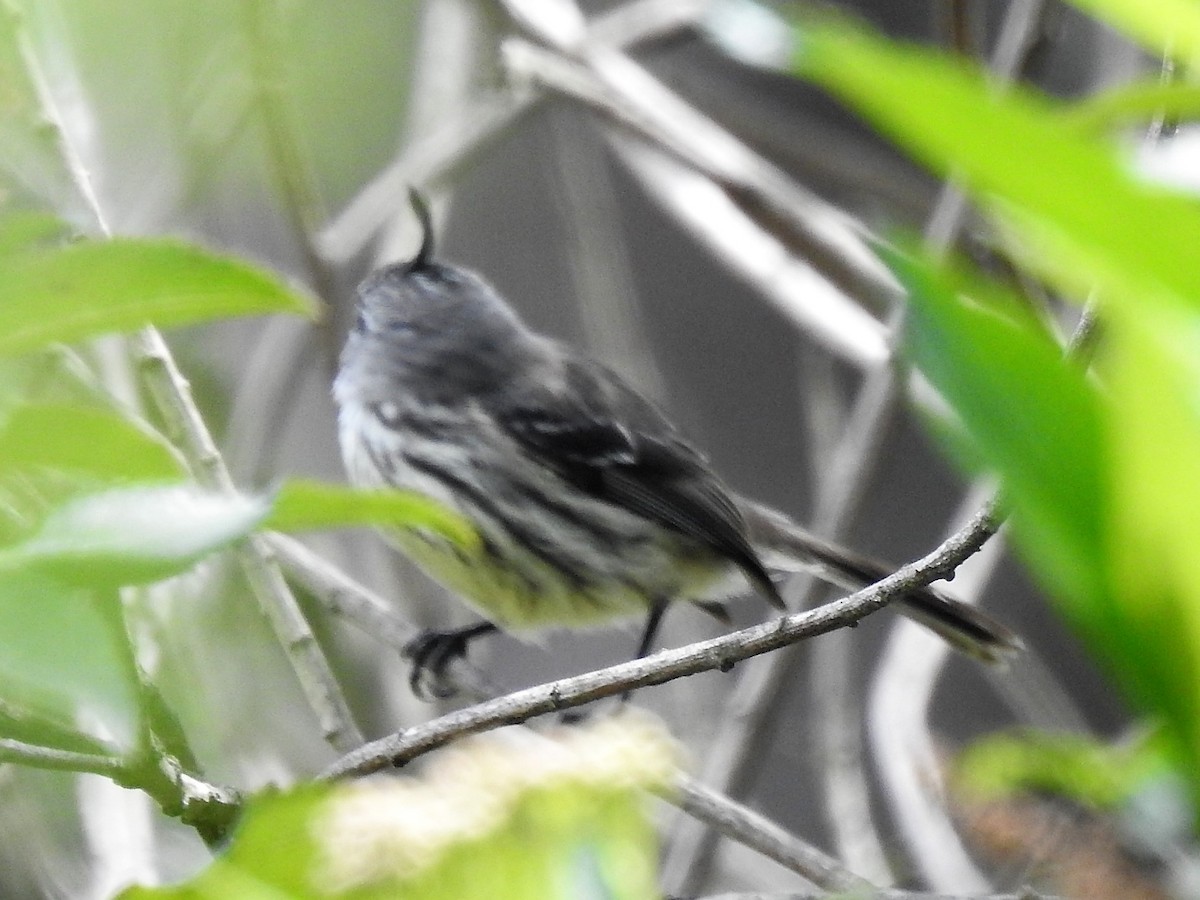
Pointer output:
x,y
606,440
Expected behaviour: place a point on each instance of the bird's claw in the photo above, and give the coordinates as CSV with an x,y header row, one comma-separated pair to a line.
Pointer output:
x,y
432,652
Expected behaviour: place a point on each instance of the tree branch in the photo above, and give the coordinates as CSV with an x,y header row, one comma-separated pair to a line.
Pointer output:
x,y
742,824
345,597
173,397
446,150
627,93
40,757
172,394
719,653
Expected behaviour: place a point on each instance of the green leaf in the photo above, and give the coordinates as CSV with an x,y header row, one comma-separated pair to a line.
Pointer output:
x,y
96,287
1079,768
1154,377
1031,416
133,535
84,440
24,230
305,505
1084,217
1132,103
58,655
1104,486
541,818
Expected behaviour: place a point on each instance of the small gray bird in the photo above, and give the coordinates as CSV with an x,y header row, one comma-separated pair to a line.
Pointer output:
x,y
588,504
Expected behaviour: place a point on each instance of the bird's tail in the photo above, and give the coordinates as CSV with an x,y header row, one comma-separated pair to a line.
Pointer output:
x,y
780,542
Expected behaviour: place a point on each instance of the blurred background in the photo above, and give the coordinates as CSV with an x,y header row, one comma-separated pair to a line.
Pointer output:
x,y
288,132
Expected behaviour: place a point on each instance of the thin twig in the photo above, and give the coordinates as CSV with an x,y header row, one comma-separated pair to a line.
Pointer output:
x,y
172,395
357,604
293,174
904,750
759,833
719,653
41,757
757,696
340,594
174,400
209,808
797,291
629,95
343,596
604,291
19,723
447,150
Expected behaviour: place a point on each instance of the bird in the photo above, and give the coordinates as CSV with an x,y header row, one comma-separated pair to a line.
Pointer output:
x,y
587,504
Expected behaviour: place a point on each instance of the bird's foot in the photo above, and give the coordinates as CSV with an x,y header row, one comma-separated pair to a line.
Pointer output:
x,y
432,652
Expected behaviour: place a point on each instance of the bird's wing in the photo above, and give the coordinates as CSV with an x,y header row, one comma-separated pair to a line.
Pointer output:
x,y
583,422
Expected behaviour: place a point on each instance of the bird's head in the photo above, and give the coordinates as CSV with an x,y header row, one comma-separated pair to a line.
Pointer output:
x,y
431,329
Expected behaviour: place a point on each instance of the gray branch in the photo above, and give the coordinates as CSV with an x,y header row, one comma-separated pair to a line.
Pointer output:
x,y
719,653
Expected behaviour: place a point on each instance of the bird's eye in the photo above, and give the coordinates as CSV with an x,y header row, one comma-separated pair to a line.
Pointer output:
x,y
387,412
360,324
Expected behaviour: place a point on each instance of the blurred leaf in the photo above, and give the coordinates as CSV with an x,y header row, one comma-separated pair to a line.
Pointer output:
x,y
1129,104
96,287
271,853
1136,245
1154,372
57,653
133,535
1164,27
306,505
182,93
555,817
24,230
1031,415
86,440
1081,769
1103,487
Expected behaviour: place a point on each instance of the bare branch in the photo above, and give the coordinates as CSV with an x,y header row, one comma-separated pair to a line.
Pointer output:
x,y
759,833
448,149
756,697
293,174
345,597
796,290
626,93
173,397
39,757
904,749
719,653
186,428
